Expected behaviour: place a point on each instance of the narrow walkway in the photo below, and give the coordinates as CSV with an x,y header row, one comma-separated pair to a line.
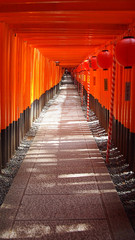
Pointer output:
x,y
63,189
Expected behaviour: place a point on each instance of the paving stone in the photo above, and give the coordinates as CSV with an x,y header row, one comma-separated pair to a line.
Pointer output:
x,y
53,184
8,211
81,162
59,169
77,146
47,151
101,170
22,177
47,160
58,230
119,222
52,207
97,162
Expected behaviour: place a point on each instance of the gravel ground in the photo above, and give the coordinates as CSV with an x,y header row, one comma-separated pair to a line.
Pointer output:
x,y
122,177
7,174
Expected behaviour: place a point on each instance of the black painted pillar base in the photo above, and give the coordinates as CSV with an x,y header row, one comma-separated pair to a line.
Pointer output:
x,y
4,146
124,142
16,137
121,138
126,147
49,95
57,88
0,154
45,98
53,91
37,108
118,133
34,110
132,150
107,118
32,113
9,141
19,129
22,124
39,105
12,147
114,131
29,118
25,119
27,126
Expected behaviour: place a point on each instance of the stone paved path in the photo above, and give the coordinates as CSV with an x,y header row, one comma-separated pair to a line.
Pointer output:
x,y
63,189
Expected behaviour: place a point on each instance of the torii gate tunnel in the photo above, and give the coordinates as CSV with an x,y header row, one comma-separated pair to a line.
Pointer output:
x,y
40,39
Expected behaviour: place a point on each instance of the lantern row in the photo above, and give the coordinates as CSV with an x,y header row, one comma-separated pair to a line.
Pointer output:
x,y
124,53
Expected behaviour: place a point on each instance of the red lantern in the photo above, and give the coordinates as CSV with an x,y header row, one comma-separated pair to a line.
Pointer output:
x,y
93,63
104,59
79,69
125,52
85,65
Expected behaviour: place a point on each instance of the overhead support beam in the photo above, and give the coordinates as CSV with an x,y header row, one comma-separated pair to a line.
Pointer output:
x,y
58,6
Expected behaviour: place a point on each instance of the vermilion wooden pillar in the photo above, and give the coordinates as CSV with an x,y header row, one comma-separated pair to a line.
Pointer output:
x,y
16,92
132,123
4,133
0,98
8,94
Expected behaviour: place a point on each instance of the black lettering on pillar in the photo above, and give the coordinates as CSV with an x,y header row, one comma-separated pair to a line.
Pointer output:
x,y
127,91
94,80
105,84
